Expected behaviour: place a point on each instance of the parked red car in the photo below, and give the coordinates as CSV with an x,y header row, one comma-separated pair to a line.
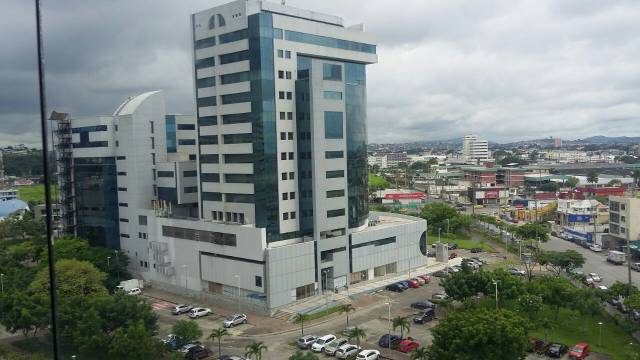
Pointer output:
x,y
580,351
413,284
426,278
406,346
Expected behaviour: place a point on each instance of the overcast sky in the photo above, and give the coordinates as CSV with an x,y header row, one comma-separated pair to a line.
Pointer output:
x,y
505,70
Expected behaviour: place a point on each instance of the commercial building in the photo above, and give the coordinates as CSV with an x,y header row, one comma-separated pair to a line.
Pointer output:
x,y
264,200
624,213
475,149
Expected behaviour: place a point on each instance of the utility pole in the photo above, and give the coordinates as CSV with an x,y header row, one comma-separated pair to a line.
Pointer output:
x,y
495,283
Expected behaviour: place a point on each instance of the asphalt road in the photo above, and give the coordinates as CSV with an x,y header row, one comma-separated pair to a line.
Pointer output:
x,y
595,262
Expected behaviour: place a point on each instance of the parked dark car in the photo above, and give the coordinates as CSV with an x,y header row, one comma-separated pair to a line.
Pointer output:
x,y
423,305
197,352
428,315
622,308
386,339
538,346
557,350
476,250
404,284
452,246
395,288
441,274
613,302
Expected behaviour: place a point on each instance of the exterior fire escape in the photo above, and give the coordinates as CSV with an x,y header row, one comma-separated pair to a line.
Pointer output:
x,y
63,149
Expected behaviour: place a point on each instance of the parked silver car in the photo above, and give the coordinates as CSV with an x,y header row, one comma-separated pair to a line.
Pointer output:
x,y
305,341
235,319
181,309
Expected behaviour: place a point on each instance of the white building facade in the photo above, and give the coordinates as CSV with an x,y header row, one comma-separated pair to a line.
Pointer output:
x,y
265,200
475,149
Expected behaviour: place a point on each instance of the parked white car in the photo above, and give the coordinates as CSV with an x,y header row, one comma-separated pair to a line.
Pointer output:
x,y
368,355
318,345
134,291
235,319
635,266
199,312
594,277
346,350
595,247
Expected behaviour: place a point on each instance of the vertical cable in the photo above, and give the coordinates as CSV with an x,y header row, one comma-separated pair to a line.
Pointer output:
x,y
47,183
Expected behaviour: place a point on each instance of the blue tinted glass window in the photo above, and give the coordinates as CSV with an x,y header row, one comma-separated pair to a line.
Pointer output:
x,y
168,174
329,42
211,196
206,82
277,33
237,138
170,128
207,101
239,198
221,21
208,139
210,159
186,127
236,118
210,177
205,63
238,158
207,121
238,178
205,43
84,129
167,194
236,98
334,154
336,212
190,189
189,173
186,142
233,36
234,57
234,78
332,95
332,72
335,174
333,125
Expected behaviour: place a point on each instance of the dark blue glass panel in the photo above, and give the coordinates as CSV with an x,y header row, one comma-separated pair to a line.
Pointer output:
x,y
329,42
233,36
168,194
234,57
333,125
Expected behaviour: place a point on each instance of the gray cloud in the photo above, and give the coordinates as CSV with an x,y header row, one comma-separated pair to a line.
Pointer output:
x,y
503,69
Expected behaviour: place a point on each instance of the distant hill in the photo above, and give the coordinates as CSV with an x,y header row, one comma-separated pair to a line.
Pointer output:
x,y
611,140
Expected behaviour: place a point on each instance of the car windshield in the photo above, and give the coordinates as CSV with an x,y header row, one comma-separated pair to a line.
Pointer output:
x,y
231,317
577,349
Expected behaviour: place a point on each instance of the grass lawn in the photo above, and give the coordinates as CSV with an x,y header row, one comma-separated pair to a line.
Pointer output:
x,y
462,241
31,193
323,313
571,329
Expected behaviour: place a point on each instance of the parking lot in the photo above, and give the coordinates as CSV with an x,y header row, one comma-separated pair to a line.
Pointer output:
x,y
371,315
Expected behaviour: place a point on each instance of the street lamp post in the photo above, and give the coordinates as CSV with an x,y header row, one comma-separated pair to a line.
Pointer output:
x,y
388,303
2,282
495,283
238,279
438,235
325,280
108,262
600,330
447,226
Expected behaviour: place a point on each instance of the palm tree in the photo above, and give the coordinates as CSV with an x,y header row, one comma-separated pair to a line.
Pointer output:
x,y
356,333
255,348
420,353
218,333
300,318
402,323
346,308
299,355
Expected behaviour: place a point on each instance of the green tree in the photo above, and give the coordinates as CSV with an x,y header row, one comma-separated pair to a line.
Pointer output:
x,y
25,312
550,186
401,322
592,176
556,292
420,353
186,331
633,301
572,182
74,278
559,261
530,306
532,231
218,334
358,334
135,342
465,284
480,334
437,214
256,349
299,355
346,309
547,324
300,318
619,289
510,287
614,182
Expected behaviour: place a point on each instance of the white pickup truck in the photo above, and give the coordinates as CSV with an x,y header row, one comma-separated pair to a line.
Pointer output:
x,y
616,257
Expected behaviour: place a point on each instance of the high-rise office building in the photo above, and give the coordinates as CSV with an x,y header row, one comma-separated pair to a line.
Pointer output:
x,y
475,149
266,203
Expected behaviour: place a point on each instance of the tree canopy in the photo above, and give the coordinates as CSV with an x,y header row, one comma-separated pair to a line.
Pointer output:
x,y
437,214
74,278
480,334
559,261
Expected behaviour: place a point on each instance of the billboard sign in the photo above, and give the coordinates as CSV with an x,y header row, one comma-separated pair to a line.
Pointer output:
x,y
579,218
